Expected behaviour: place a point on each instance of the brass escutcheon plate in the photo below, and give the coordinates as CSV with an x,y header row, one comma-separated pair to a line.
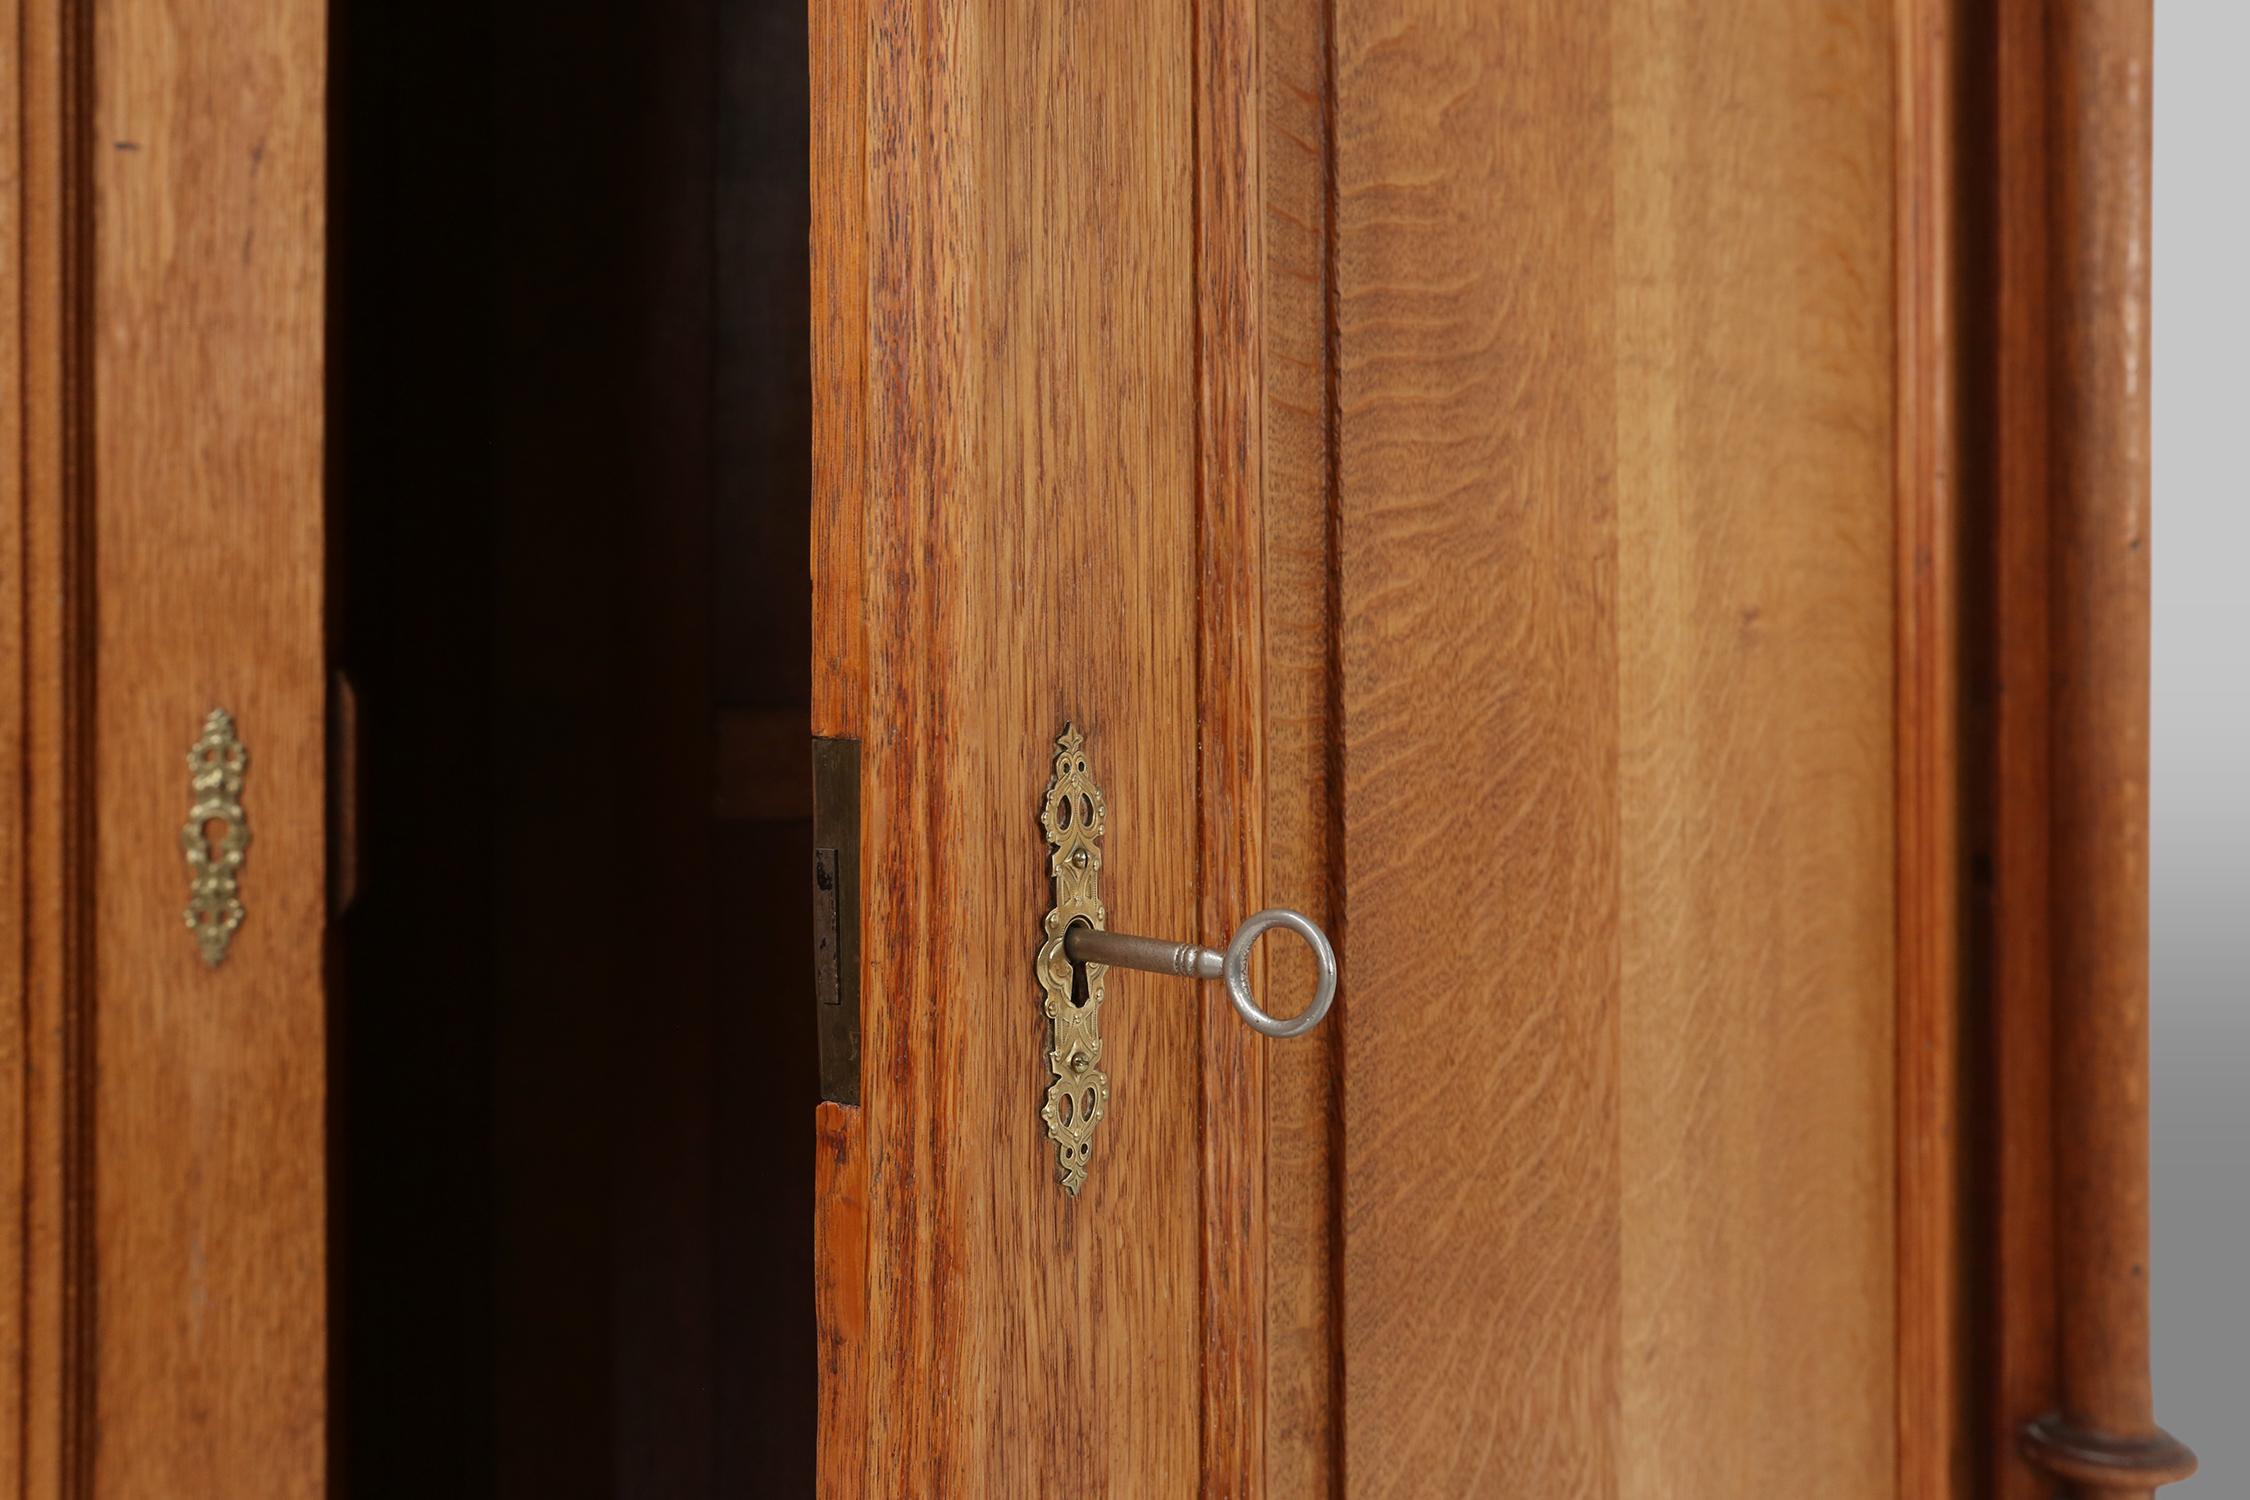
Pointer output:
x,y
1072,816
216,836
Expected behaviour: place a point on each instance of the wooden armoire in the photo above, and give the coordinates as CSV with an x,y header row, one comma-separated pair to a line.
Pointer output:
x,y
615,611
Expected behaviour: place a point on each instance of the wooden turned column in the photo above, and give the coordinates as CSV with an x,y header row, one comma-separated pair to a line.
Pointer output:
x,y
2103,1439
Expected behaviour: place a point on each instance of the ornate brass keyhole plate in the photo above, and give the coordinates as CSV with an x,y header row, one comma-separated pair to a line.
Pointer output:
x,y
216,836
1072,816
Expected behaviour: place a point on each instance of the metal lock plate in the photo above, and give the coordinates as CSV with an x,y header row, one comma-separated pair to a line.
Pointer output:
x,y
216,836
1080,950
1072,816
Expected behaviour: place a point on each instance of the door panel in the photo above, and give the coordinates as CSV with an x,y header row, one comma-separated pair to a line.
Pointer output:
x,y
1479,707
1006,513
169,213
1755,622
1615,402
209,1084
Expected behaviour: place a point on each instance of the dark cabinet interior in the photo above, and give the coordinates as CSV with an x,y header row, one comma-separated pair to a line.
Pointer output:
x,y
571,1232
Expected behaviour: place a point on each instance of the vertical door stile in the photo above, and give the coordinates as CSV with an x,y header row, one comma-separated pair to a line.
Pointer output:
x,y
208,445
838,45
1006,297
1230,715
1303,744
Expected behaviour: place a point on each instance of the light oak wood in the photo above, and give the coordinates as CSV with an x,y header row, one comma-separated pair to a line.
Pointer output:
x,y
1481,1297
1756,606
1616,476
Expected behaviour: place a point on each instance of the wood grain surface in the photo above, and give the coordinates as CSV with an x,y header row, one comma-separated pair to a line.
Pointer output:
x,y
15,1141
1756,605
838,41
2098,196
48,502
2014,940
1304,1432
2054,263
840,1295
2103,1439
1479,476
166,189
1482,1312
209,1360
1615,437
1230,637
1933,1453
1028,556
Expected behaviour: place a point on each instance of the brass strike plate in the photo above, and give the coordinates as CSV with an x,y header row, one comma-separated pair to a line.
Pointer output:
x,y
836,916
1072,816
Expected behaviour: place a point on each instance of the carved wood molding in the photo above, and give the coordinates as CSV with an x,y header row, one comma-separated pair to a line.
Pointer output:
x,y
47,744
1929,1413
2097,122
2103,1462
2053,199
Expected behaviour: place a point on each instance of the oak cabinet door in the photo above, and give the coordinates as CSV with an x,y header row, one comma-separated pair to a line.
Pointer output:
x,y
1493,477
1444,465
1020,469
165,195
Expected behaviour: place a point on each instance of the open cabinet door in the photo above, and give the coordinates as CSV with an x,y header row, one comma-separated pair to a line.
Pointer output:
x,y
1632,513
1035,450
162,187
1379,434
1442,461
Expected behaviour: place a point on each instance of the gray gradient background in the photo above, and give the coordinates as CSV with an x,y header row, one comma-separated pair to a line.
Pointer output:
x,y
2200,786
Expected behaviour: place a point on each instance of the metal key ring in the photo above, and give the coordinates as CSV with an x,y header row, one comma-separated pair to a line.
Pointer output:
x,y
1236,971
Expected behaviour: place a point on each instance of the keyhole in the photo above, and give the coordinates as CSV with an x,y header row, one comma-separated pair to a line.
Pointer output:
x,y
214,836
